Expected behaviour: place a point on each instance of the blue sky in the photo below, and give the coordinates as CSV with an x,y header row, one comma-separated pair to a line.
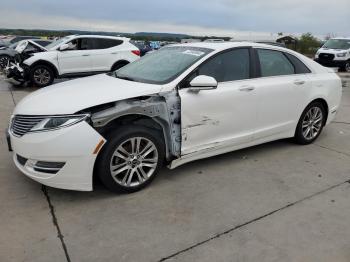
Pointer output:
x,y
225,17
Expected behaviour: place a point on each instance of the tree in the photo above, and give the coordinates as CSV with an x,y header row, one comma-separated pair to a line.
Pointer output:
x,y
308,44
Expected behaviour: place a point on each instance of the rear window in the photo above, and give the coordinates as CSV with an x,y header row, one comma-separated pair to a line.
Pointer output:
x,y
104,43
299,66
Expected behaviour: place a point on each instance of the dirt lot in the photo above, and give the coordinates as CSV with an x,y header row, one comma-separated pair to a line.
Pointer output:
x,y
274,202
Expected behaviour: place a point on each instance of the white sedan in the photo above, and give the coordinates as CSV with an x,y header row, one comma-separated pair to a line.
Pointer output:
x,y
179,104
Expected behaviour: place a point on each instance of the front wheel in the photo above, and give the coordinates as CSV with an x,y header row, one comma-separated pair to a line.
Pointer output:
x,y
41,76
4,60
310,124
131,159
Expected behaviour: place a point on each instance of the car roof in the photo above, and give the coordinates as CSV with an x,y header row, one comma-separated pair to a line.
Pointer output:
x,y
101,36
219,46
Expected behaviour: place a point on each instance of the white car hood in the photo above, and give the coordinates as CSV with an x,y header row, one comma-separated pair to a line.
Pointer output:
x,y
72,96
332,51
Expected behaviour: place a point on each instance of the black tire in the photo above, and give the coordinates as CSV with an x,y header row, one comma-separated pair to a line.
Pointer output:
x,y
47,72
115,139
4,59
119,65
300,137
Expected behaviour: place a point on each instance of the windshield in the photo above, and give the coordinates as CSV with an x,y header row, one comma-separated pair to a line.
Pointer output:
x,y
57,42
163,65
337,44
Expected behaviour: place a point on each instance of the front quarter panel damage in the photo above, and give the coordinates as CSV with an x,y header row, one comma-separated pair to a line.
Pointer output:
x,y
164,109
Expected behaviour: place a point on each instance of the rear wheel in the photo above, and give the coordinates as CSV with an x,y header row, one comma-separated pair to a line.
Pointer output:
x,y
131,159
42,75
310,124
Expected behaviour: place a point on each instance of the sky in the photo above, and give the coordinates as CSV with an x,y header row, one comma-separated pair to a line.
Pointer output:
x,y
194,17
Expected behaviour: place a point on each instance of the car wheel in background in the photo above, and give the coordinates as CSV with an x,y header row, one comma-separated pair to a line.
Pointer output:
x,y
4,60
131,158
41,75
347,67
311,123
119,65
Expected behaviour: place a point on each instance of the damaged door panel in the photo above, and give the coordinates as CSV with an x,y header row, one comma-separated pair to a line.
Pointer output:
x,y
164,109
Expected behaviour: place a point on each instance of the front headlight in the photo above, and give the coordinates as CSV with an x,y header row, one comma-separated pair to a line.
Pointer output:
x,y
341,54
56,122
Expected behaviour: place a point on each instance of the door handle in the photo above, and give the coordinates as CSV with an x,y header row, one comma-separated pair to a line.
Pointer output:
x,y
86,55
247,88
299,82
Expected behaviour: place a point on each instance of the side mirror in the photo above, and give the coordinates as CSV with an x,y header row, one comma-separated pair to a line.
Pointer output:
x,y
64,47
203,82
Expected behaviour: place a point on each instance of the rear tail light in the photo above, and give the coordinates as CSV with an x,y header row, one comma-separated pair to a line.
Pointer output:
x,y
136,52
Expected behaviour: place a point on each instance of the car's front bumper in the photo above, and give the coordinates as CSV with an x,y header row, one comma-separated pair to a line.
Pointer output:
x,y
74,146
331,63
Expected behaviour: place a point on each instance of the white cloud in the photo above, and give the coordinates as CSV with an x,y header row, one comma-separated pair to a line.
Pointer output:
x,y
29,21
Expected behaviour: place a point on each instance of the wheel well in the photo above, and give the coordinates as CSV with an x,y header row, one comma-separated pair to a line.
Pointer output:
x,y
42,62
134,119
120,62
325,105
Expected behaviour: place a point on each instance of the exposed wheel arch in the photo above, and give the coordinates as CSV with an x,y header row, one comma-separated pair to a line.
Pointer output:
x,y
127,120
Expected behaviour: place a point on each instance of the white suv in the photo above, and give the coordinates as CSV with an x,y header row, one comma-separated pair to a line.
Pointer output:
x,y
335,52
79,55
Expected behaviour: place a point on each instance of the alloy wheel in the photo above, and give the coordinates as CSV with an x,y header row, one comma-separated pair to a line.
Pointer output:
x,y
347,67
42,76
312,123
134,161
4,60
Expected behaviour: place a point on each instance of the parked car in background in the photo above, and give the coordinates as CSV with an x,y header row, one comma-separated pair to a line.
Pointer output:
x,y
16,39
173,106
3,44
79,55
21,50
335,53
144,47
272,43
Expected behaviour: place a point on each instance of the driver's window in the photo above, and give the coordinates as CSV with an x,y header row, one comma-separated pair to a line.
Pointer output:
x,y
72,45
228,66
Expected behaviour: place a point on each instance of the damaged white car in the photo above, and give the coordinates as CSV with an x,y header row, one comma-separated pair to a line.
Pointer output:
x,y
179,104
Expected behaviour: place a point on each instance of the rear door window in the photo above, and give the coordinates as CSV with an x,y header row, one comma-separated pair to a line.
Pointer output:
x,y
104,43
274,63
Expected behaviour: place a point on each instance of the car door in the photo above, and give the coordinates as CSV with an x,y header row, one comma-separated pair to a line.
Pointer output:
x,y
282,94
104,54
224,116
76,59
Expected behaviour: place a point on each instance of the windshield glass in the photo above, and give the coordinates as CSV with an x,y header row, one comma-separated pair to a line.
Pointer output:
x,y
57,42
163,65
337,44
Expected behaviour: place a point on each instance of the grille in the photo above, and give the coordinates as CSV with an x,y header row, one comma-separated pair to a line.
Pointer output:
x,y
22,124
324,56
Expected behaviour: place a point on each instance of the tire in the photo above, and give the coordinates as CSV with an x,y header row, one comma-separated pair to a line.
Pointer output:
x,y
118,65
347,67
310,124
4,59
41,75
129,173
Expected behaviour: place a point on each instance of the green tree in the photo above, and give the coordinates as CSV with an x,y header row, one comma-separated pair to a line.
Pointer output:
x,y
308,44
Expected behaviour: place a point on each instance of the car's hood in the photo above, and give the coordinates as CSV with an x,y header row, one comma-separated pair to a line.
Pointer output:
x,y
72,96
331,50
